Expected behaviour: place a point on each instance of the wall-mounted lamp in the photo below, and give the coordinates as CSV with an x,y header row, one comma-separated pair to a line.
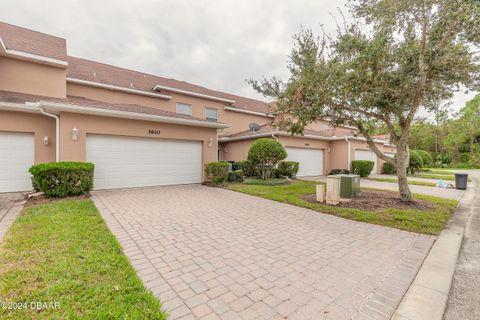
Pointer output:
x,y
328,149
45,140
226,150
210,142
74,134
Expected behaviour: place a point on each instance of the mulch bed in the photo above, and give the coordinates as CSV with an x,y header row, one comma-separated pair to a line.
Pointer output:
x,y
373,200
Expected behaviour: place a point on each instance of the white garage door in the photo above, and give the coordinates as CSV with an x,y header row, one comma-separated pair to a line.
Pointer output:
x,y
367,155
17,154
123,162
311,161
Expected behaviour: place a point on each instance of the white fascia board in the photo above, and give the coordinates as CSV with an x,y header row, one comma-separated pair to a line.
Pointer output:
x,y
27,107
285,134
192,94
117,88
31,57
59,107
248,112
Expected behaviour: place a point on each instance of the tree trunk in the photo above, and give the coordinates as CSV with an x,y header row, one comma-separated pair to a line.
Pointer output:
x,y
402,165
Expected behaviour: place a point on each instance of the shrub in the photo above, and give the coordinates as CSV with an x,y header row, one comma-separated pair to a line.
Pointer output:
x,y
236,176
63,179
427,158
415,162
246,166
388,168
339,171
264,154
362,167
288,168
216,172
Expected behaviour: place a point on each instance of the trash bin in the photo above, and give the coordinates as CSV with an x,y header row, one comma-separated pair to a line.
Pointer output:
x,y
461,180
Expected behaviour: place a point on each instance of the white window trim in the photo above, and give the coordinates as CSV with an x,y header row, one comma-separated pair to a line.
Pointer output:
x,y
185,104
207,117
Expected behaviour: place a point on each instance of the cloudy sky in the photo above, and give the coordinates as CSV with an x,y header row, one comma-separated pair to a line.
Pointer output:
x,y
214,43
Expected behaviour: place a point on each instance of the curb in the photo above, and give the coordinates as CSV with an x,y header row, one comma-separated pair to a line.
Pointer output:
x,y
428,294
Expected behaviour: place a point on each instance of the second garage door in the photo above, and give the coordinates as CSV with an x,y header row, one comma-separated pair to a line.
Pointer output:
x,y
123,162
311,161
16,157
367,155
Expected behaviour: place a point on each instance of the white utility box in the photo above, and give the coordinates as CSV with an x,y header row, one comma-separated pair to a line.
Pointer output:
x,y
333,190
320,193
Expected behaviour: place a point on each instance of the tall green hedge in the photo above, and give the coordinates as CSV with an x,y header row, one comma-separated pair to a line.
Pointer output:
x,y
362,167
63,179
217,172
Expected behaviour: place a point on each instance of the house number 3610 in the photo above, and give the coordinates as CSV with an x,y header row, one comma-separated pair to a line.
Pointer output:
x,y
152,131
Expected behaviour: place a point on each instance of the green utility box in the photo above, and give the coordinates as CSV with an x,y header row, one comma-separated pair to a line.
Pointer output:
x,y
349,185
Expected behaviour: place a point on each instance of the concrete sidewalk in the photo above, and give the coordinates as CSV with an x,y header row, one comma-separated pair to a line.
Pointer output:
x,y
427,296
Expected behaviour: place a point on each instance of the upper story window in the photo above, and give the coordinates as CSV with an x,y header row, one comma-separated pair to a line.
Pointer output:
x,y
184,108
211,114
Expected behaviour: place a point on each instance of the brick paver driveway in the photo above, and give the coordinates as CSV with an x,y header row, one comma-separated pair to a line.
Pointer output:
x,y
210,253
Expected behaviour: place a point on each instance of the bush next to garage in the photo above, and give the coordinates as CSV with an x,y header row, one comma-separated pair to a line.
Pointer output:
x,y
339,171
216,172
63,179
235,176
388,168
288,168
362,167
246,166
265,154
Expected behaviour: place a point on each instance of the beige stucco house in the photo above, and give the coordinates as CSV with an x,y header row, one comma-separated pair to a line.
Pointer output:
x,y
138,129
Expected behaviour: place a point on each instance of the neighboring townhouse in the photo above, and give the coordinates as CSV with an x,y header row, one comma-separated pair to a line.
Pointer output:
x,y
138,129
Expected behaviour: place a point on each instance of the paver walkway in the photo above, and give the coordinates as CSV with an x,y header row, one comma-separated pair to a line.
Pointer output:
x,y
211,253
10,206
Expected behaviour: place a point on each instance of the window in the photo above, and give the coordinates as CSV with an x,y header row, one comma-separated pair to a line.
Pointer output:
x,y
211,114
184,108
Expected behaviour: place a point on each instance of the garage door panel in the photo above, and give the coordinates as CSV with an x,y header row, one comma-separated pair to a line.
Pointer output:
x,y
18,154
122,162
311,161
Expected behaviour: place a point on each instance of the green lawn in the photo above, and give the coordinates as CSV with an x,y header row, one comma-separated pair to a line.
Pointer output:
x,y
429,222
394,180
438,171
63,252
433,176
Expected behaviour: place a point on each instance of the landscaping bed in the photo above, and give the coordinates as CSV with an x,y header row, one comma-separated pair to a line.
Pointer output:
x,y
62,253
374,200
427,215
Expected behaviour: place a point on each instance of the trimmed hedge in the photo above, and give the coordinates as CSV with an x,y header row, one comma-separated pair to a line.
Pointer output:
x,y
235,176
265,154
246,166
362,167
339,171
217,172
388,168
63,179
288,168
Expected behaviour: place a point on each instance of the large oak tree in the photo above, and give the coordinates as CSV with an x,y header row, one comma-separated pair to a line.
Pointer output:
x,y
394,58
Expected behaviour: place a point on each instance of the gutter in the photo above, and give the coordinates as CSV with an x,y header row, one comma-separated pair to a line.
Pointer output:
x,y
192,94
57,131
117,88
285,134
228,108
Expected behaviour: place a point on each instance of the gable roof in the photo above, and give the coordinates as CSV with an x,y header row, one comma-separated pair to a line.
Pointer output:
x,y
25,40
92,71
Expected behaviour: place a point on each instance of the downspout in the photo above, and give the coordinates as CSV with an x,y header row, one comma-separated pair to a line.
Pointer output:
x,y
348,153
57,132
273,136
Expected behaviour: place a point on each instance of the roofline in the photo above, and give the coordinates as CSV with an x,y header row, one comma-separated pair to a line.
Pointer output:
x,y
117,88
58,107
249,112
308,136
34,107
191,93
31,57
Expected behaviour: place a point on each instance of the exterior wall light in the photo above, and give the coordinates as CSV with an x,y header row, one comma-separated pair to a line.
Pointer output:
x,y
45,140
74,134
210,142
